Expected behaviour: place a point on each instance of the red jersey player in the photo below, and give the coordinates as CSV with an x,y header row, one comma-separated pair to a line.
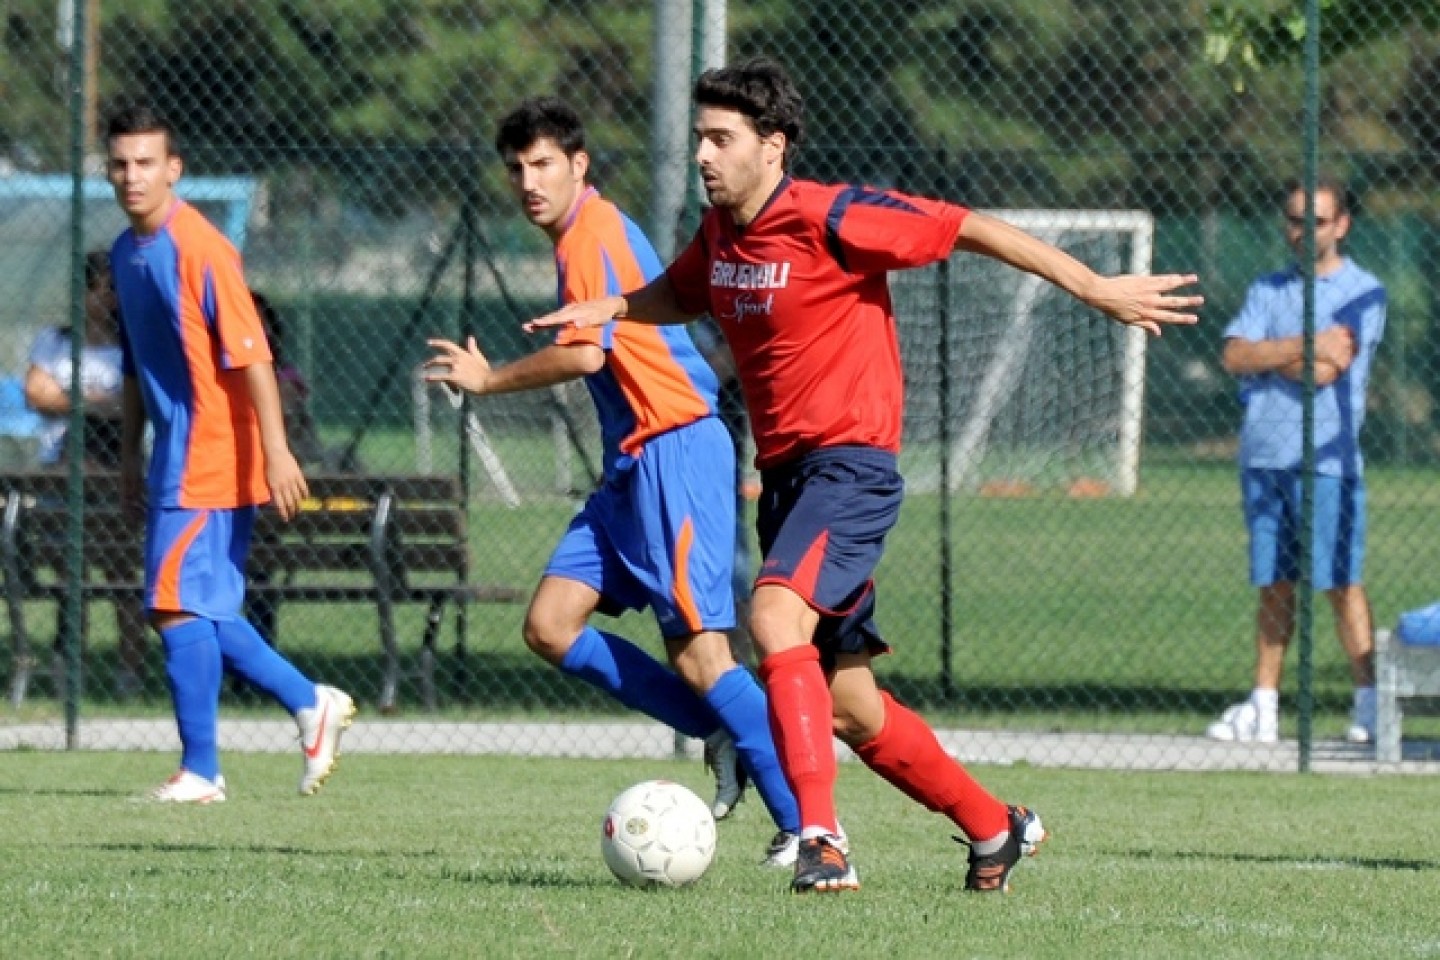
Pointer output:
x,y
795,273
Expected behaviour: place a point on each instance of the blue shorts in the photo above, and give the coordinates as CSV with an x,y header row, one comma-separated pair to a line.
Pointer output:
x,y
822,522
661,533
1272,513
195,560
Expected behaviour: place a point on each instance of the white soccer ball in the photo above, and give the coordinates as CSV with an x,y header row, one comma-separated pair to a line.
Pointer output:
x,y
658,833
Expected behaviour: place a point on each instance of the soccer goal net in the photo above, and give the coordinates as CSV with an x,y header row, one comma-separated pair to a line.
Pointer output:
x,y
1012,385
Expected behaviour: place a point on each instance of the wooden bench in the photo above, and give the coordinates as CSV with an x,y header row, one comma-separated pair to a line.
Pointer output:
x,y
382,540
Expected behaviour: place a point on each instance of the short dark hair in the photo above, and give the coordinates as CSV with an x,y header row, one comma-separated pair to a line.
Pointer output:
x,y
760,90
139,116
1324,183
540,118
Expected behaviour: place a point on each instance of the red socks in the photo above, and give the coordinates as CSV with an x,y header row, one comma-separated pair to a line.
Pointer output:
x,y
802,723
907,754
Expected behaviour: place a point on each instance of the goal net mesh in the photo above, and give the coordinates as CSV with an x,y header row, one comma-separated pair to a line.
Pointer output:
x,y
1012,385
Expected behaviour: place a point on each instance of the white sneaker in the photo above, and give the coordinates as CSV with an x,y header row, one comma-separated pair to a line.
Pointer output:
x,y
320,729
784,848
187,787
722,758
1245,723
1362,717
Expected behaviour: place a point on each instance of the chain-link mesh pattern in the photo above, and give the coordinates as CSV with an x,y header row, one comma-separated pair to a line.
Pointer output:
x,y
1066,593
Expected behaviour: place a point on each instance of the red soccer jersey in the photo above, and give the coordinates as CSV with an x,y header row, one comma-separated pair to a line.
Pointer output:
x,y
802,297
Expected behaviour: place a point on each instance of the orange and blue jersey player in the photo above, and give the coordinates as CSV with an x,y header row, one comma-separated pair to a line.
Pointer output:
x,y
659,532
197,363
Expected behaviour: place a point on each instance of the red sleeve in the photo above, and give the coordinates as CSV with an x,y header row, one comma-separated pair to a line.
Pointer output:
x,y
874,231
690,276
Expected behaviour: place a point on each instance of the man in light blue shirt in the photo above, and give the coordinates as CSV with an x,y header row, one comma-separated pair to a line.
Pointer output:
x,y
1263,348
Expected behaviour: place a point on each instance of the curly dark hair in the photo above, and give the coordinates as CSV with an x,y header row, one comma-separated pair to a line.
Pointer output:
x,y
760,90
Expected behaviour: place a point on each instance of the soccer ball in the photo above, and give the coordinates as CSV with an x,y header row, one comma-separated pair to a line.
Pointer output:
x,y
658,833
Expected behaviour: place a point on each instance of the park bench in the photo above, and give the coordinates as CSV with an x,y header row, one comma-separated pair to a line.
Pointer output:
x,y
382,540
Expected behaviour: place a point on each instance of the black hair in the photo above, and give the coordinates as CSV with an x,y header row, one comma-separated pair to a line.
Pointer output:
x,y
142,117
540,118
760,90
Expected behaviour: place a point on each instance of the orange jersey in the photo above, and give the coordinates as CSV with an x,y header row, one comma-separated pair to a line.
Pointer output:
x,y
189,328
654,379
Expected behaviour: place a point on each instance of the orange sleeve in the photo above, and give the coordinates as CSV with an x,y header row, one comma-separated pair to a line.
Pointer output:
x,y
232,310
581,260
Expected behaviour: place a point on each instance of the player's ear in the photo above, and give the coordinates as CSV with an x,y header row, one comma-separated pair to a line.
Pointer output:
x,y
580,165
174,167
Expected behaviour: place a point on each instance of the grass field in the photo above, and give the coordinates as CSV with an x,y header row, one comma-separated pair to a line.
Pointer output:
x,y
496,857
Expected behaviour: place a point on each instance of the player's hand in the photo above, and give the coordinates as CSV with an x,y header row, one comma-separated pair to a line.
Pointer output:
x,y
581,314
287,484
1335,345
464,368
1147,302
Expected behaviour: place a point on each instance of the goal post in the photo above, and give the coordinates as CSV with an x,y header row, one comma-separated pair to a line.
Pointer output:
x,y
1036,391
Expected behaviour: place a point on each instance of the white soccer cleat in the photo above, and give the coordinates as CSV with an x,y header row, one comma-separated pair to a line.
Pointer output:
x,y
722,758
1245,723
187,787
320,729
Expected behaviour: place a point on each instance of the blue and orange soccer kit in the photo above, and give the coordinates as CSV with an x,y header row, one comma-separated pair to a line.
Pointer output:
x,y
189,328
660,531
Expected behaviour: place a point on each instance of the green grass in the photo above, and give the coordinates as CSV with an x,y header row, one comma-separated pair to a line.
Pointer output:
x,y
498,857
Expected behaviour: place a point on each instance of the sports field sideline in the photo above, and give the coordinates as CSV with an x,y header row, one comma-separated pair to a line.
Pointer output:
x,y
614,741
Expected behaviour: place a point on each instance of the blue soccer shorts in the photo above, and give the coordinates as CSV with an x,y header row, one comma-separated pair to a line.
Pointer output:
x,y
195,560
822,522
660,533
1272,514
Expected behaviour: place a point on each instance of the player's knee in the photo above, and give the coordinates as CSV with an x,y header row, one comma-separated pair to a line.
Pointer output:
x,y
548,639
700,659
857,716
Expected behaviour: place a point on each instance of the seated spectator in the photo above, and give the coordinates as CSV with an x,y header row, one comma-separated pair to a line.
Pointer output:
x,y
47,391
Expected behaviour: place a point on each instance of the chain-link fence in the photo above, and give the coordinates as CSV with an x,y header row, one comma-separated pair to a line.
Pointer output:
x,y
1068,582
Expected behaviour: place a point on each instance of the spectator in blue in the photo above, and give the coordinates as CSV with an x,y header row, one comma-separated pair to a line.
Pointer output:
x,y
47,391
1263,348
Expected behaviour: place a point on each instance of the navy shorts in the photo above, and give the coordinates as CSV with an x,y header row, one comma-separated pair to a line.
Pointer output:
x,y
822,522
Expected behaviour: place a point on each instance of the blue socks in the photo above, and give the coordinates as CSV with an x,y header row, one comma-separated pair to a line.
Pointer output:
x,y
196,654
740,704
192,664
246,653
638,680
642,683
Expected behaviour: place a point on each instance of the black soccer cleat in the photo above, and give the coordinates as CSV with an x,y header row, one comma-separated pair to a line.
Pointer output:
x,y
821,867
990,872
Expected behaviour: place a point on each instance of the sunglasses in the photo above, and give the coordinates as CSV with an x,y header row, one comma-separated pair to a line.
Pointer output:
x,y
1299,222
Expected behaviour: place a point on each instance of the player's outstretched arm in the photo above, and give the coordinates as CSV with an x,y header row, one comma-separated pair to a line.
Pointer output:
x,y
655,303
466,368
1147,302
